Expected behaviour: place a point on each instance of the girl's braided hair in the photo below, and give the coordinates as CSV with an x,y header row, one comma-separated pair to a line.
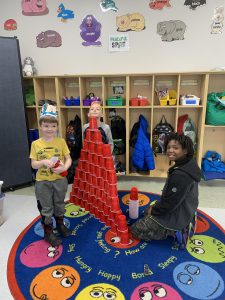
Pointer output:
x,y
184,140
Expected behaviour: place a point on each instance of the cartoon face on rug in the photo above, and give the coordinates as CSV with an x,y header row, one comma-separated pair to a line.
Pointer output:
x,y
74,211
206,248
113,240
198,280
56,283
38,229
202,224
40,254
143,199
155,291
101,291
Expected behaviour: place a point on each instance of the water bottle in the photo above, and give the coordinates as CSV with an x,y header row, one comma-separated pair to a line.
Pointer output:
x,y
133,203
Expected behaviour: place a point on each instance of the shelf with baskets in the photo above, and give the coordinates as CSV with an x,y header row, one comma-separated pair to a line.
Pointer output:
x,y
124,94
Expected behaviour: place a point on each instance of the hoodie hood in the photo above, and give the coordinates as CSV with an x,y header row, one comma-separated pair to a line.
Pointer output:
x,y
188,166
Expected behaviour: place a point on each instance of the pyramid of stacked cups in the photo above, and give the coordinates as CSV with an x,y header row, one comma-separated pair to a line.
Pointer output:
x,y
95,183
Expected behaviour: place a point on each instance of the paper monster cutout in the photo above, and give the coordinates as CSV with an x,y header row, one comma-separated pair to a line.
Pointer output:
x,y
171,30
107,5
64,14
34,7
194,3
159,4
10,24
130,22
49,38
218,18
90,31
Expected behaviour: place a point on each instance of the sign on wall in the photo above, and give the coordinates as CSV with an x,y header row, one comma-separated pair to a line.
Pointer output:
x,y
119,42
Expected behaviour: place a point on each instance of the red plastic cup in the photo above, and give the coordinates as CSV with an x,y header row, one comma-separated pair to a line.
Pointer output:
x,y
133,193
91,148
112,190
109,163
102,161
85,147
98,149
115,204
83,154
113,227
92,169
88,135
111,176
95,159
89,178
98,172
106,150
97,137
93,123
124,237
94,181
121,222
92,190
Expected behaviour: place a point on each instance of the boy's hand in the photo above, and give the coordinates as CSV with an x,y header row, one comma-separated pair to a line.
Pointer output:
x,y
48,163
60,169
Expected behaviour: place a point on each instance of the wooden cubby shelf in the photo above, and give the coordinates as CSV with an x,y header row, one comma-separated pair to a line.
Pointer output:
x,y
129,86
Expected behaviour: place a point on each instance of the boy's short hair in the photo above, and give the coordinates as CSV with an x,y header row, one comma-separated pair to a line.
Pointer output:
x,y
48,119
95,102
184,140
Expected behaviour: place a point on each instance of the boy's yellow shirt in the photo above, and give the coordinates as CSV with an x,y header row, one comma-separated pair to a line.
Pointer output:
x,y
41,149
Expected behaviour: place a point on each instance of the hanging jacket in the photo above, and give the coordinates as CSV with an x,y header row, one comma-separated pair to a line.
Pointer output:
x,y
179,200
142,157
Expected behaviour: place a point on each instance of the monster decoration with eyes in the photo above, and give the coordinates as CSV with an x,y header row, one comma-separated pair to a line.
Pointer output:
x,y
90,31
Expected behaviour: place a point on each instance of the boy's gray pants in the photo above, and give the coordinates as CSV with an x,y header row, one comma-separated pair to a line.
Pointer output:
x,y
50,197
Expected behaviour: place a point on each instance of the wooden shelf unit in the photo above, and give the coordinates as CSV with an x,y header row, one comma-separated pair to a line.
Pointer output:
x,y
196,83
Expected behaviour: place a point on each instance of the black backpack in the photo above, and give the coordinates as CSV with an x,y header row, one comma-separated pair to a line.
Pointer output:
x,y
118,129
134,132
159,135
74,137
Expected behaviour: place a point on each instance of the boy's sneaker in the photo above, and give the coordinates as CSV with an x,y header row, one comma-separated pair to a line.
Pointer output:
x,y
52,238
63,230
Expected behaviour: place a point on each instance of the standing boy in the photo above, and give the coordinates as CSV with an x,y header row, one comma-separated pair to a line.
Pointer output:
x,y
96,111
50,186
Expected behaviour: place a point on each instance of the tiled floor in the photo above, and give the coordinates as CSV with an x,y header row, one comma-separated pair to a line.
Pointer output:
x,y
20,209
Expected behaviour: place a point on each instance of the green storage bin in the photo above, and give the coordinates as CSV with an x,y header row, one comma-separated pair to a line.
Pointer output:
x,y
115,101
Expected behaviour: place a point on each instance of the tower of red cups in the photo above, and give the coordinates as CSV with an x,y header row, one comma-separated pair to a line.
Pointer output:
x,y
95,183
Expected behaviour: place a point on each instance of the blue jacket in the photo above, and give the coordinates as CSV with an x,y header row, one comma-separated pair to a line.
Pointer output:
x,y
142,158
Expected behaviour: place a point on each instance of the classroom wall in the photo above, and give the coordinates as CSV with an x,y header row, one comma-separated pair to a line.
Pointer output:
x,y
199,51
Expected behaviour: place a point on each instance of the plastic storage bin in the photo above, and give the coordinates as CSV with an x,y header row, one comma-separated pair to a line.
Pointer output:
x,y
189,100
114,101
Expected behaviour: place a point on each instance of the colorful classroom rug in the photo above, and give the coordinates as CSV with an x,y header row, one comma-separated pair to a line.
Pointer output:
x,y
92,265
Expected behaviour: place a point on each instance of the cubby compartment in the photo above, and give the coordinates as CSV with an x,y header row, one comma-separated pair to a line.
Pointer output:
x,y
163,83
90,87
66,115
68,91
32,118
134,114
141,91
216,83
214,140
114,91
44,88
193,84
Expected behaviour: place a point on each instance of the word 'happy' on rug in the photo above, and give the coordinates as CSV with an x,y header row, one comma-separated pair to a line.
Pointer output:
x,y
92,264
